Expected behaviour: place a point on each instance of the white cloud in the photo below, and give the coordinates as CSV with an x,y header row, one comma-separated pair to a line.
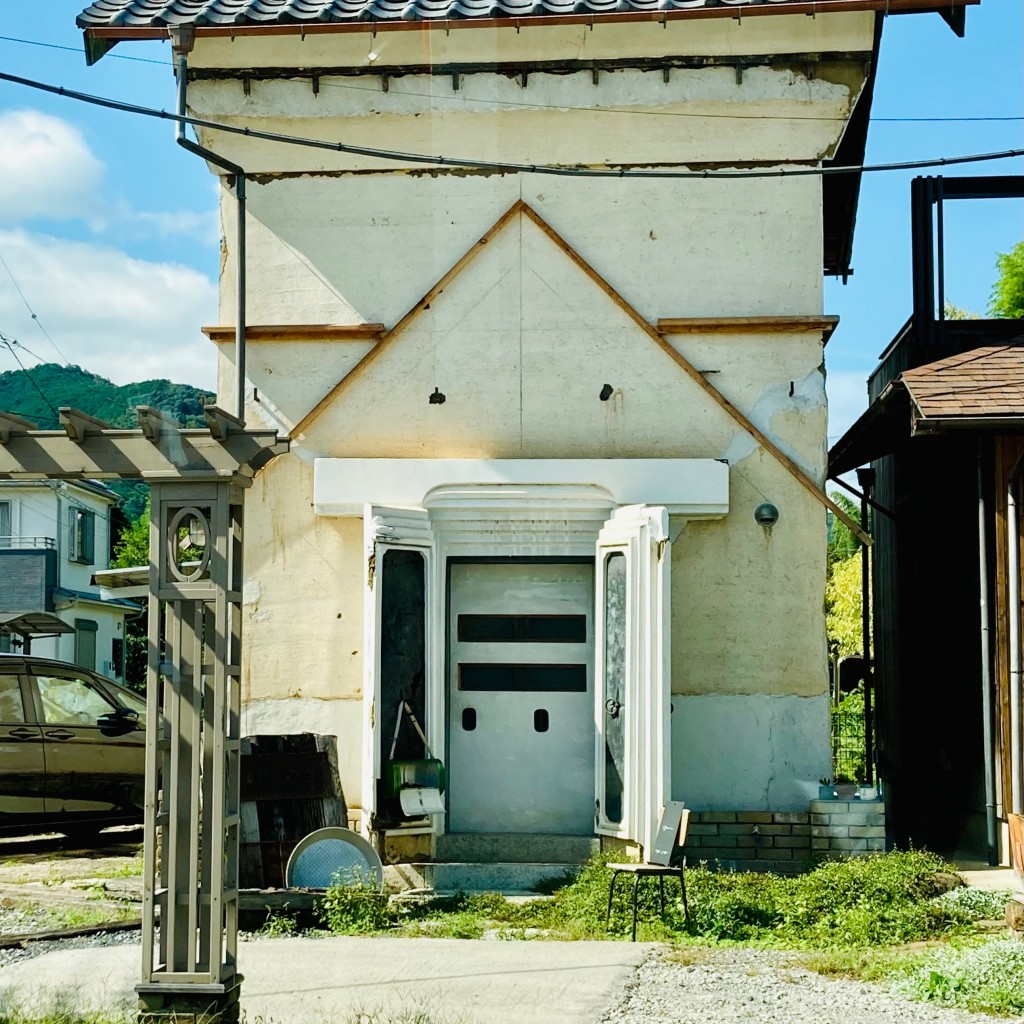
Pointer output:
x,y
126,319
46,168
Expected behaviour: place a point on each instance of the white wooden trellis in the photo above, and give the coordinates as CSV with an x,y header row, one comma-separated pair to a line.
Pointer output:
x,y
198,479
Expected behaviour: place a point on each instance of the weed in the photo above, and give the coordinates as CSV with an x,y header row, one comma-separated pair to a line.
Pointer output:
x,y
129,869
987,977
354,910
277,926
976,904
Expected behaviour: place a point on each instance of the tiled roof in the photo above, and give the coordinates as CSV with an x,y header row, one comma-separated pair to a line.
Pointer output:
x,y
987,381
226,13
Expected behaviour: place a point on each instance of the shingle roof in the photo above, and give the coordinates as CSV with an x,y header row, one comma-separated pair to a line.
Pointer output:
x,y
226,13
987,381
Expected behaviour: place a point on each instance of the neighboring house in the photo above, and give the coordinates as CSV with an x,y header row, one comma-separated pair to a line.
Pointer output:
x,y
944,431
558,442
53,537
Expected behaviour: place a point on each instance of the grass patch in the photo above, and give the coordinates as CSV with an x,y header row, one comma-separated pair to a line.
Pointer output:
x,y
129,869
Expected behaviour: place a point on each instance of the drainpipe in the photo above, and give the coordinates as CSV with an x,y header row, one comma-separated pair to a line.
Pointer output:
x,y
866,479
1013,572
986,667
182,38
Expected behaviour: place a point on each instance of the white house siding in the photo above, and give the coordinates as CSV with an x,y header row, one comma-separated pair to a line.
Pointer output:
x,y
522,342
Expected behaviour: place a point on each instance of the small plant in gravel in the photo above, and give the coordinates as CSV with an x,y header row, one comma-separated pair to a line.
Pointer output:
x,y
987,977
277,926
354,910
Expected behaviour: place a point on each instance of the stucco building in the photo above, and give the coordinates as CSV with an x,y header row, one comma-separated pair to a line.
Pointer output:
x,y
533,414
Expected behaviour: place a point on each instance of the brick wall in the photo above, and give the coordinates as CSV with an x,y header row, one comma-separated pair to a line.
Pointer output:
x,y
785,841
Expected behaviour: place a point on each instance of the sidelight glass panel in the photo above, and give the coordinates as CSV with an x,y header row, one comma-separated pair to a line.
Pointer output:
x,y
524,678
556,629
614,694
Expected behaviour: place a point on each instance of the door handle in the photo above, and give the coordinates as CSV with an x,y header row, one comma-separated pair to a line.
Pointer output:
x,y
23,734
59,734
613,707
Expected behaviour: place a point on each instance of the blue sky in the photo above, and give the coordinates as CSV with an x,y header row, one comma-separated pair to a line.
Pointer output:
x,y
110,230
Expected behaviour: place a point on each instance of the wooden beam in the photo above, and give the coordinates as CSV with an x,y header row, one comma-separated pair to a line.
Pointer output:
x,y
697,377
79,425
154,423
127,454
222,424
467,257
298,332
9,423
748,325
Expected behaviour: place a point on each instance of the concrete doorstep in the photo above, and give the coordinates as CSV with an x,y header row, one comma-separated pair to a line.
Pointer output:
x,y
332,980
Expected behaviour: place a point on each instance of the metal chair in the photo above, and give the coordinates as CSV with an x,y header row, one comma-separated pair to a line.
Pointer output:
x,y
671,835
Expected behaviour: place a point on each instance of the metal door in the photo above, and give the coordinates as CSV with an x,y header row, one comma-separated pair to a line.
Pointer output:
x,y
22,769
521,725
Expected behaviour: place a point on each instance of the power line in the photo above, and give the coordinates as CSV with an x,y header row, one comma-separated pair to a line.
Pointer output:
x,y
494,165
31,311
76,49
10,348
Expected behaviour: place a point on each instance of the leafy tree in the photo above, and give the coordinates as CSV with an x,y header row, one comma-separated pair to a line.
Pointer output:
x,y
133,550
843,622
1007,300
133,547
951,312
842,542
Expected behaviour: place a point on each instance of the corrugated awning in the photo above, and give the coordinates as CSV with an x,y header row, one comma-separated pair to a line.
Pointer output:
x,y
33,624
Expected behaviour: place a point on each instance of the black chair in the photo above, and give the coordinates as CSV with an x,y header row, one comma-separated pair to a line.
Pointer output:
x,y
671,835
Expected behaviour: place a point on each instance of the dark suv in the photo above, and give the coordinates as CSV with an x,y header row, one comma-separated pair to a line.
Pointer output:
x,y
72,749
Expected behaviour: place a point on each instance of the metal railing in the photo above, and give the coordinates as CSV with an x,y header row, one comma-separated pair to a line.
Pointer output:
x,y
15,542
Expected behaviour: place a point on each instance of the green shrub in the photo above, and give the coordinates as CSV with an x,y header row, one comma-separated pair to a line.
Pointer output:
x,y
976,904
987,977
354,910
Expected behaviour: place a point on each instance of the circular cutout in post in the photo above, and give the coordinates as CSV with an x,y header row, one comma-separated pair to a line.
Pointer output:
x,y
188,531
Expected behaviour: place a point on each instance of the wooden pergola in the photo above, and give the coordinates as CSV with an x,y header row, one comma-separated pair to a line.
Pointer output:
x,y
198,479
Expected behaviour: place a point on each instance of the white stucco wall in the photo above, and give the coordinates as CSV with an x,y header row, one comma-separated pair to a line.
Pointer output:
x,y
521,343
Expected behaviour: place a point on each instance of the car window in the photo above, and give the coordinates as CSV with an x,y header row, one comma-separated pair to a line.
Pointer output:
x,y
12,708
71,700
133,701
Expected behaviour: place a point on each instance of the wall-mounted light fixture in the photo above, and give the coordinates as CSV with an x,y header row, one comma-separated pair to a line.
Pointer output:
x,y
766,514
606,392
437,398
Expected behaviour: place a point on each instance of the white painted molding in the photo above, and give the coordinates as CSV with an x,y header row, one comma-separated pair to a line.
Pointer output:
x,y
697,488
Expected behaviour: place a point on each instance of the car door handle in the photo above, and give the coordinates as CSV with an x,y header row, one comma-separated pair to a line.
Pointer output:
x,y
59,734
24,734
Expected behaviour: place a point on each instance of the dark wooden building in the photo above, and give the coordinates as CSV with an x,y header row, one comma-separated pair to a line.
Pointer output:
x,y
944,433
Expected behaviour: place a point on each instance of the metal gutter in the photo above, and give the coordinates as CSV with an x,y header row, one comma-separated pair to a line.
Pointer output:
x,y
987,716
183,38
933,425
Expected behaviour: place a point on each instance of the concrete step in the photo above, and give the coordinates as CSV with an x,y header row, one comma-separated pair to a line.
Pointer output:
x,y
515,848
495,877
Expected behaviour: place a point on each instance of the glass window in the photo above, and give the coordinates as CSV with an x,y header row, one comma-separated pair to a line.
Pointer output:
x,y
82,536
524,678
614,685
6,524
133,701
12,708
71,700
85,643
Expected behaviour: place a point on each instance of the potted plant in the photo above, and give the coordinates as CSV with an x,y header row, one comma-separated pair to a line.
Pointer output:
x,y
866,790
845,788
825,790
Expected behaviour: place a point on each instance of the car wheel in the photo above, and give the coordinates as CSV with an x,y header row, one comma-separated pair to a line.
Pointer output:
x,y
82,835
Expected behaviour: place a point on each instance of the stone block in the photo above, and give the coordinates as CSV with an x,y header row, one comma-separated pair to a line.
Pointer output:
x,y
702,829
791,817
802,830
847,844
755,817
774,854
820,842
1015,915
754,842
875,845
776,830
867,831
837,831
717,817
821,819
792,842
831,806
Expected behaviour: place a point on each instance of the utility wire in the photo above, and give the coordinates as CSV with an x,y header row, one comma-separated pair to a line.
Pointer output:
x,y
32,312
462,98
10,348
494,165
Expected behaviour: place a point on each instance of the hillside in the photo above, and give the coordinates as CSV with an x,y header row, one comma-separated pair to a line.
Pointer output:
x,y
99,397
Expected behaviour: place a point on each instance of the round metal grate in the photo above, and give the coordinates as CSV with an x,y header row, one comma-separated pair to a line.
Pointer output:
x,y
334,856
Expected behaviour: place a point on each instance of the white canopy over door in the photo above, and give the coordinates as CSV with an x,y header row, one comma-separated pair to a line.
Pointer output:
x,y
398,544
632,634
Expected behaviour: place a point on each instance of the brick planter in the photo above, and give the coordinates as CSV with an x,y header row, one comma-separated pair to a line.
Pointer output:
x,y
785,841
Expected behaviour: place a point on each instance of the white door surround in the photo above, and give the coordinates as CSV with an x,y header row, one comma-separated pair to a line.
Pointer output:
x,y
487,521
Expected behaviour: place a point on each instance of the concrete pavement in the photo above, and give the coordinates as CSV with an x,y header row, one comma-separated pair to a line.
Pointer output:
x,y
299,981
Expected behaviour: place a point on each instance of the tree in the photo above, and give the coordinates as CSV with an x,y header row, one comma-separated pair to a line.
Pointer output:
x,y
133,550
842,542
843,622
1007,299
133,546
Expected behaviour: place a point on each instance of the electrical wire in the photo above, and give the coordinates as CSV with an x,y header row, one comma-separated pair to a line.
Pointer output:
x,y
10,348
496,165
552,106
32,312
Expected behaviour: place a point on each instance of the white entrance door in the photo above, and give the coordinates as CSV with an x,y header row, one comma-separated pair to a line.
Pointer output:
x,y
521,698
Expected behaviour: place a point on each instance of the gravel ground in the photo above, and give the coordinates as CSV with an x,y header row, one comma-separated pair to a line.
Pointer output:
x,y
13,956
739,986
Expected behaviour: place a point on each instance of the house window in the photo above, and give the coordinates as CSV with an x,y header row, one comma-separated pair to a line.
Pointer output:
x,y
82,536
85,643
6,524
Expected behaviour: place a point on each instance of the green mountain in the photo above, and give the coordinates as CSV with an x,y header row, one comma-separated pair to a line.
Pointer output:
x,y
37,395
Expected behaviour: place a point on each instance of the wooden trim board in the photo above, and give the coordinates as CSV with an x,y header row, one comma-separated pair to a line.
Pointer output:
x,y
298,332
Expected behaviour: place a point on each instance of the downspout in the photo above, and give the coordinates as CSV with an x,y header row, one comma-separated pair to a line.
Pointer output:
x,y
182,38
866,479
988,722
1013,573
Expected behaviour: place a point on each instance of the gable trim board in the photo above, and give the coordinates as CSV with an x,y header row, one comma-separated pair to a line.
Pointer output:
x,y
657,336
